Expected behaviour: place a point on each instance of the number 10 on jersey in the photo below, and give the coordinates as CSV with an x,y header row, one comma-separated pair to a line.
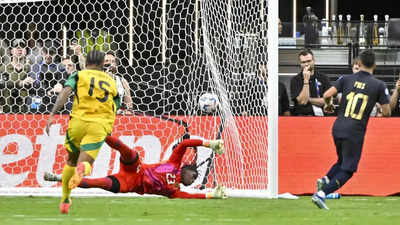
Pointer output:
x,y
352,101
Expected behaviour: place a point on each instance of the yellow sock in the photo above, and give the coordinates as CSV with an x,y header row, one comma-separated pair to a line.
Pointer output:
x,y
67,173
88,168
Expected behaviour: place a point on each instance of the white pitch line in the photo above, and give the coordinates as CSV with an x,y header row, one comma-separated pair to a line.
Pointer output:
x,y
143,220
47,219
84,219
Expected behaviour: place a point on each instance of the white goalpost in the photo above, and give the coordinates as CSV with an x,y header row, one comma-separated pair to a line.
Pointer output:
x,y
170,52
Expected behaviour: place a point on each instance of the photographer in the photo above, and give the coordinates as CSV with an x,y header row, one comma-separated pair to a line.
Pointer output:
x,y
110,67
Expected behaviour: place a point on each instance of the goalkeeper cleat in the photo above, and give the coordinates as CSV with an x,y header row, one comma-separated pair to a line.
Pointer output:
x,y
77,177
217,146
319,201
51,177
65,205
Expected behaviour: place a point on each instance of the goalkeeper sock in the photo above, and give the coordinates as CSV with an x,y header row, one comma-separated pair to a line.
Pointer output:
x,y
103,183
127,155
68,172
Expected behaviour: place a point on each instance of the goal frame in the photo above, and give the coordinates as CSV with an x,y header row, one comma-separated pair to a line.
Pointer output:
x,y
272,65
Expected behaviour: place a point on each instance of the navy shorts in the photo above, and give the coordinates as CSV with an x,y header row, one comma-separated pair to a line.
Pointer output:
x,y
349,151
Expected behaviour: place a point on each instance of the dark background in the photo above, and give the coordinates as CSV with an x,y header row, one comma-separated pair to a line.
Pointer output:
x,y
352,7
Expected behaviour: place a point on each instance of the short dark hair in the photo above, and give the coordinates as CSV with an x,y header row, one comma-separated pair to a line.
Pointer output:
x,y
95,57
111,53
192,167
367,58
305,51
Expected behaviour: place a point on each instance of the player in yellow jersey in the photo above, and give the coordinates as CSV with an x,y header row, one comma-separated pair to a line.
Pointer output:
x,y
96,102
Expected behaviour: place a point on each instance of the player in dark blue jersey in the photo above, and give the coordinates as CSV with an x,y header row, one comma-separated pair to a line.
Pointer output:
x,y
361,91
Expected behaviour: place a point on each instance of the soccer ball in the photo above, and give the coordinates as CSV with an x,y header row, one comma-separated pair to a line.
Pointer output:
x,y
208,102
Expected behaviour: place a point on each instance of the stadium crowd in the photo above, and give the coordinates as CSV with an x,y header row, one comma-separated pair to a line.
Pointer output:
x,y
33,73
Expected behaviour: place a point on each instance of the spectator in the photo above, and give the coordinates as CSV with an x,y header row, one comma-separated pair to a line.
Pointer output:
x,y
68,65
4,56
45,74
356,65
259,92
308,86
35,55
70,68
110,67
395,100
14,79
77,57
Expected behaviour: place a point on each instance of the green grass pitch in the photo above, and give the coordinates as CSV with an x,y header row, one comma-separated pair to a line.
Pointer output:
x,y
155,211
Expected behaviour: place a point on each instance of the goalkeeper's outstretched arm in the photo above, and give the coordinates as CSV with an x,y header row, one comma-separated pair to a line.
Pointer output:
x,y
216,145
218,193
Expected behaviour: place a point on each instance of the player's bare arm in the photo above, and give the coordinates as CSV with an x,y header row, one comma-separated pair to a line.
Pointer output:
x,y
218,192
61,100
328,99
317,101
127,98
386,110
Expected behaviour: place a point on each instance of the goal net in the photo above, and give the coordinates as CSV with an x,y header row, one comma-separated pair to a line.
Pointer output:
x,y
170,52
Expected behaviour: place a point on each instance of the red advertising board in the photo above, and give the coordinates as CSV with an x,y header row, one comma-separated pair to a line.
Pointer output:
x,y
27,152
306,151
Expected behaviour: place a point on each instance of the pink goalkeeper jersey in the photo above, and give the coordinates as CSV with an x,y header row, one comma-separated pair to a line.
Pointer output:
x,y
161,179
164,178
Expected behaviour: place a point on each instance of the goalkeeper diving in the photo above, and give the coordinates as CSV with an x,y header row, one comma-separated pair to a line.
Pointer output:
x,y
160,178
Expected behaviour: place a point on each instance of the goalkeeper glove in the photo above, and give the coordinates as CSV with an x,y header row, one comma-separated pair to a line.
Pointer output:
x,y
218,193
217,146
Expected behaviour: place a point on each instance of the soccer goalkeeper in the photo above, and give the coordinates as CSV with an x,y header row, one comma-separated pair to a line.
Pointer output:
x,y
160,178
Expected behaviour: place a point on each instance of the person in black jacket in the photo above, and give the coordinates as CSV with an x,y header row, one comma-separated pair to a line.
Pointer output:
x,y
308,86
